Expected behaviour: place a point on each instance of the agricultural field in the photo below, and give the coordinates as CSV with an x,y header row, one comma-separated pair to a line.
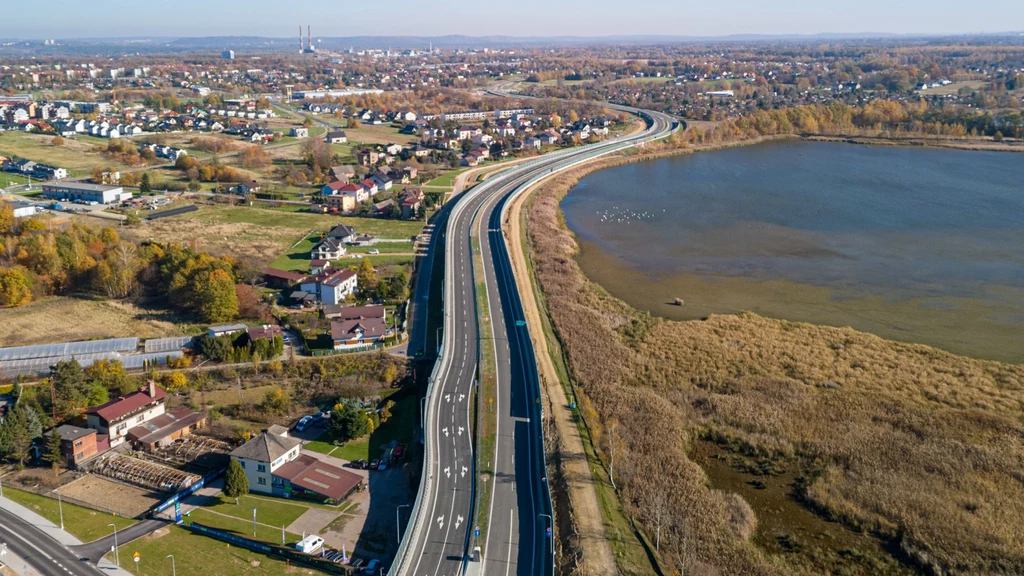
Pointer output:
x,y
76,156
46,321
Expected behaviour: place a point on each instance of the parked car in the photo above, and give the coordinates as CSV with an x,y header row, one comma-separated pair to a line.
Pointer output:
x,y
303,423
373,464
374,251
383,464
371,566
398,452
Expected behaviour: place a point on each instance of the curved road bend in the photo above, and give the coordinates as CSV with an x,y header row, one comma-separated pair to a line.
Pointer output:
x,y
39,551
441,529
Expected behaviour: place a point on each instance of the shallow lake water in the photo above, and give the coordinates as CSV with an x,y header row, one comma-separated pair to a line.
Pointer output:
x,y
915,244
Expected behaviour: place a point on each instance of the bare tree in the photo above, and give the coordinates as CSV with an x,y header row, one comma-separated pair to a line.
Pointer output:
x,y
614,444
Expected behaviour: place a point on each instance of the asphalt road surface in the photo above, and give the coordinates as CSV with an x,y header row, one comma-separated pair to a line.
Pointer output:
x,y
440,529
42,553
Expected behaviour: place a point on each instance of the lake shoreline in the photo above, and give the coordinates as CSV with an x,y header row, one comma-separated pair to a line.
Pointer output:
x,y
789,392
850,289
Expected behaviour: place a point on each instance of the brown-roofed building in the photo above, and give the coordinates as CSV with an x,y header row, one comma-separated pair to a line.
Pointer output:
x,y
265,332
338,312
309,477
77,444
281,278
166,428
115,417
358,332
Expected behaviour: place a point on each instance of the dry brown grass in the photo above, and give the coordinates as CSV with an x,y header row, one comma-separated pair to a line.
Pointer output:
x,y
238,239
60,319
922,447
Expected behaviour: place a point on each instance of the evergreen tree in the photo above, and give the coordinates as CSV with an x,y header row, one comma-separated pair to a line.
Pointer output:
x,y
235,482
53,454
145,187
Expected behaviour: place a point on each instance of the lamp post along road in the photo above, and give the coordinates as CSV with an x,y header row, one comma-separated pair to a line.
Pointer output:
x,y
60,506
253,522
117,553
398,522
174,572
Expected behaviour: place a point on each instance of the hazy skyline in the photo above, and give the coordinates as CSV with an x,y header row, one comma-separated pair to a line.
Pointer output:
x,y
118,18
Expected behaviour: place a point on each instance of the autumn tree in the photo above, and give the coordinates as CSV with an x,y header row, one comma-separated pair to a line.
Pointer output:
x,y
58,141
276,401
15,287
216,298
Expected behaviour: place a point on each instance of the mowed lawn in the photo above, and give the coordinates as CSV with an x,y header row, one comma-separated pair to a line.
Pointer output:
x,y
198,554
273,511
265,531
84,523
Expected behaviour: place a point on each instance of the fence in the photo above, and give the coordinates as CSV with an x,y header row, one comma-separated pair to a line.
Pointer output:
x,y
274,550
173,212
186,492
49,493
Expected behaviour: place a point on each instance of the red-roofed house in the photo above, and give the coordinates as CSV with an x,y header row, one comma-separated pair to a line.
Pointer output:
x,y
312,478
115,417
370,186
358,332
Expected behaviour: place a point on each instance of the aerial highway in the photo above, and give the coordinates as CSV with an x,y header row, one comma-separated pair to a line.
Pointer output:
x,y
40,553
437,539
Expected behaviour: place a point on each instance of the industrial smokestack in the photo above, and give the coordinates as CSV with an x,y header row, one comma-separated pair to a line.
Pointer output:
x,y
300,38
309,37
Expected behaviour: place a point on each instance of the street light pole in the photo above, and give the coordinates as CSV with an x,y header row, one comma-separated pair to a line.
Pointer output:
x,y
174,572
60,506
253,522
398,523
551,540
117,553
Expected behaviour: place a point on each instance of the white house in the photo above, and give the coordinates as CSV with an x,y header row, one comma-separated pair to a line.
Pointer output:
x,y
115,417
331,286
264,454
327,249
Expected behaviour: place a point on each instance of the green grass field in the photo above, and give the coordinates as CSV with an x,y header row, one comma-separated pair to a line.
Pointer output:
x,y
197,554
447,179
85,524
305,220
77,157
243,527
273,511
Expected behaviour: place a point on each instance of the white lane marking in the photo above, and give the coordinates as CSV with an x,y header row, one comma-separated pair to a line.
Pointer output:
x,y
508,559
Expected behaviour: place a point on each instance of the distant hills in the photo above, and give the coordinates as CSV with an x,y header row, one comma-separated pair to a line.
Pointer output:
x,y
116,45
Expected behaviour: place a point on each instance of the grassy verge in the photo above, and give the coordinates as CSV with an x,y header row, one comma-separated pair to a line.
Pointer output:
x,y
304,221
485,407
196,554
85,524
447,179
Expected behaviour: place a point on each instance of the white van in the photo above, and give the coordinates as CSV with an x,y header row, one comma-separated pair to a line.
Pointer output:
x,y
309,544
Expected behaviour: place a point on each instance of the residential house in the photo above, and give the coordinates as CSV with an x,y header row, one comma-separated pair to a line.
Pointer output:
x,y
265,332
370,186
77,444
297,132
382,182
327,249
410,201
331,286
367,157
357,332
245,188
532,142
342,233
281,279
343,173
262,456
336,137
338,312
115,417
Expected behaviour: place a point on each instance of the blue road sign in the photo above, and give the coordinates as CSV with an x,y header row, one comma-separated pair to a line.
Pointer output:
x,y
548,532
476,532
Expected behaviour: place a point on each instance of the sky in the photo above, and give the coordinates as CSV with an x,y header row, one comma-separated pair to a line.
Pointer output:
x,y
333,18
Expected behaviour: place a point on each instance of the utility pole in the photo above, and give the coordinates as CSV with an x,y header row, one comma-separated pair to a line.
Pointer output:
x,y
174,571
253,522
398,523
117,553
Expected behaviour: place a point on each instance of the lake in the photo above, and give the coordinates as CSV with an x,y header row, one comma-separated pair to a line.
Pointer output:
x,y
913,244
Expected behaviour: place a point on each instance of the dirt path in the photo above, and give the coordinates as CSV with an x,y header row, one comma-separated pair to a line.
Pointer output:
x,y
586,511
